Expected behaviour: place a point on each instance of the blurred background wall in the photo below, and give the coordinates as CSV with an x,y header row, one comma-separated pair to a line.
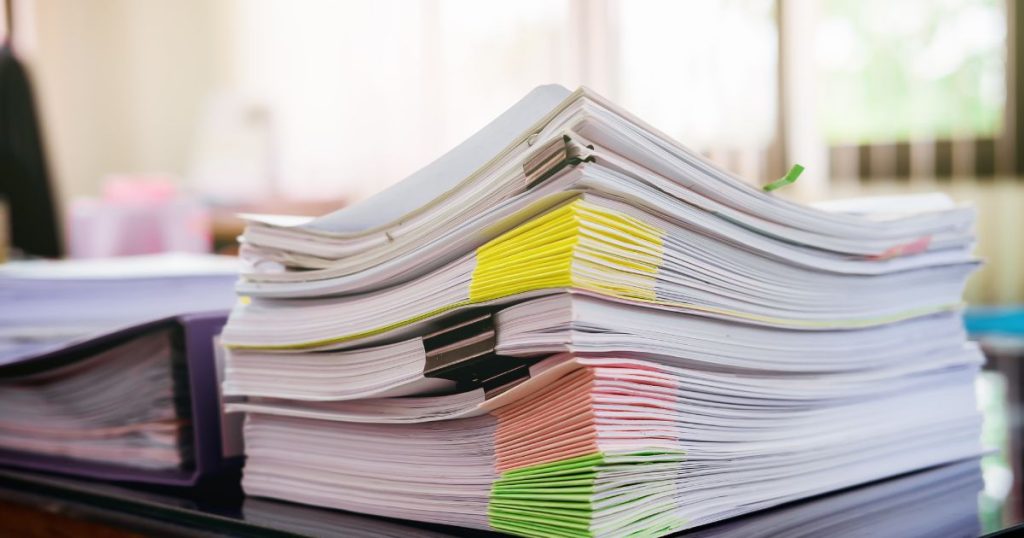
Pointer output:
x,y
120,82
305,106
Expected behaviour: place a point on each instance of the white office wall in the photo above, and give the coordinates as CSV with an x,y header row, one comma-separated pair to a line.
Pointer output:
x,y
119,82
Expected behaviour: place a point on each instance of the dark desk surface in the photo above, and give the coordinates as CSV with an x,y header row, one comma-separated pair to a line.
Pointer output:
x,y
942,501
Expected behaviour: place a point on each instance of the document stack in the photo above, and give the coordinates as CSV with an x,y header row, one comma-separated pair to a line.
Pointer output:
x,y
571,325
47,304
107,367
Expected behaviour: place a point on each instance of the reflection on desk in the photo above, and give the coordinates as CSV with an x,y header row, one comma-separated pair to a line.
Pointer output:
x,y
941,501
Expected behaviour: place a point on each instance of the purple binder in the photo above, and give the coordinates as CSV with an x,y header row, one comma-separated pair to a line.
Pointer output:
x,y
197,333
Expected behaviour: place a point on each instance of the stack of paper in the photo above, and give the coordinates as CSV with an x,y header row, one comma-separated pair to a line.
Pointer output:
x,y
107,366
570,325
47,303
138,404
93,409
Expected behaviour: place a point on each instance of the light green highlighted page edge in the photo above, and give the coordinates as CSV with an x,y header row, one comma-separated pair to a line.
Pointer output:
x,y
554,499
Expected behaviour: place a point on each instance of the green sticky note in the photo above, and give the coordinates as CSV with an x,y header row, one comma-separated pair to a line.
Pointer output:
x,y
785,180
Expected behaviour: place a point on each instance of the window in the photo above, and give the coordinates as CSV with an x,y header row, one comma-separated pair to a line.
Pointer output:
x,y
363,93
705,73
914,89
913,69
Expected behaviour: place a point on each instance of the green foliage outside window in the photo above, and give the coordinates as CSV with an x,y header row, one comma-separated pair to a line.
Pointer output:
x,y
911,69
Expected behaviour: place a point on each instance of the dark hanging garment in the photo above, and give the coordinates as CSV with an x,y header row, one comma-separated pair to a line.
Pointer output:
x,y
24,179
